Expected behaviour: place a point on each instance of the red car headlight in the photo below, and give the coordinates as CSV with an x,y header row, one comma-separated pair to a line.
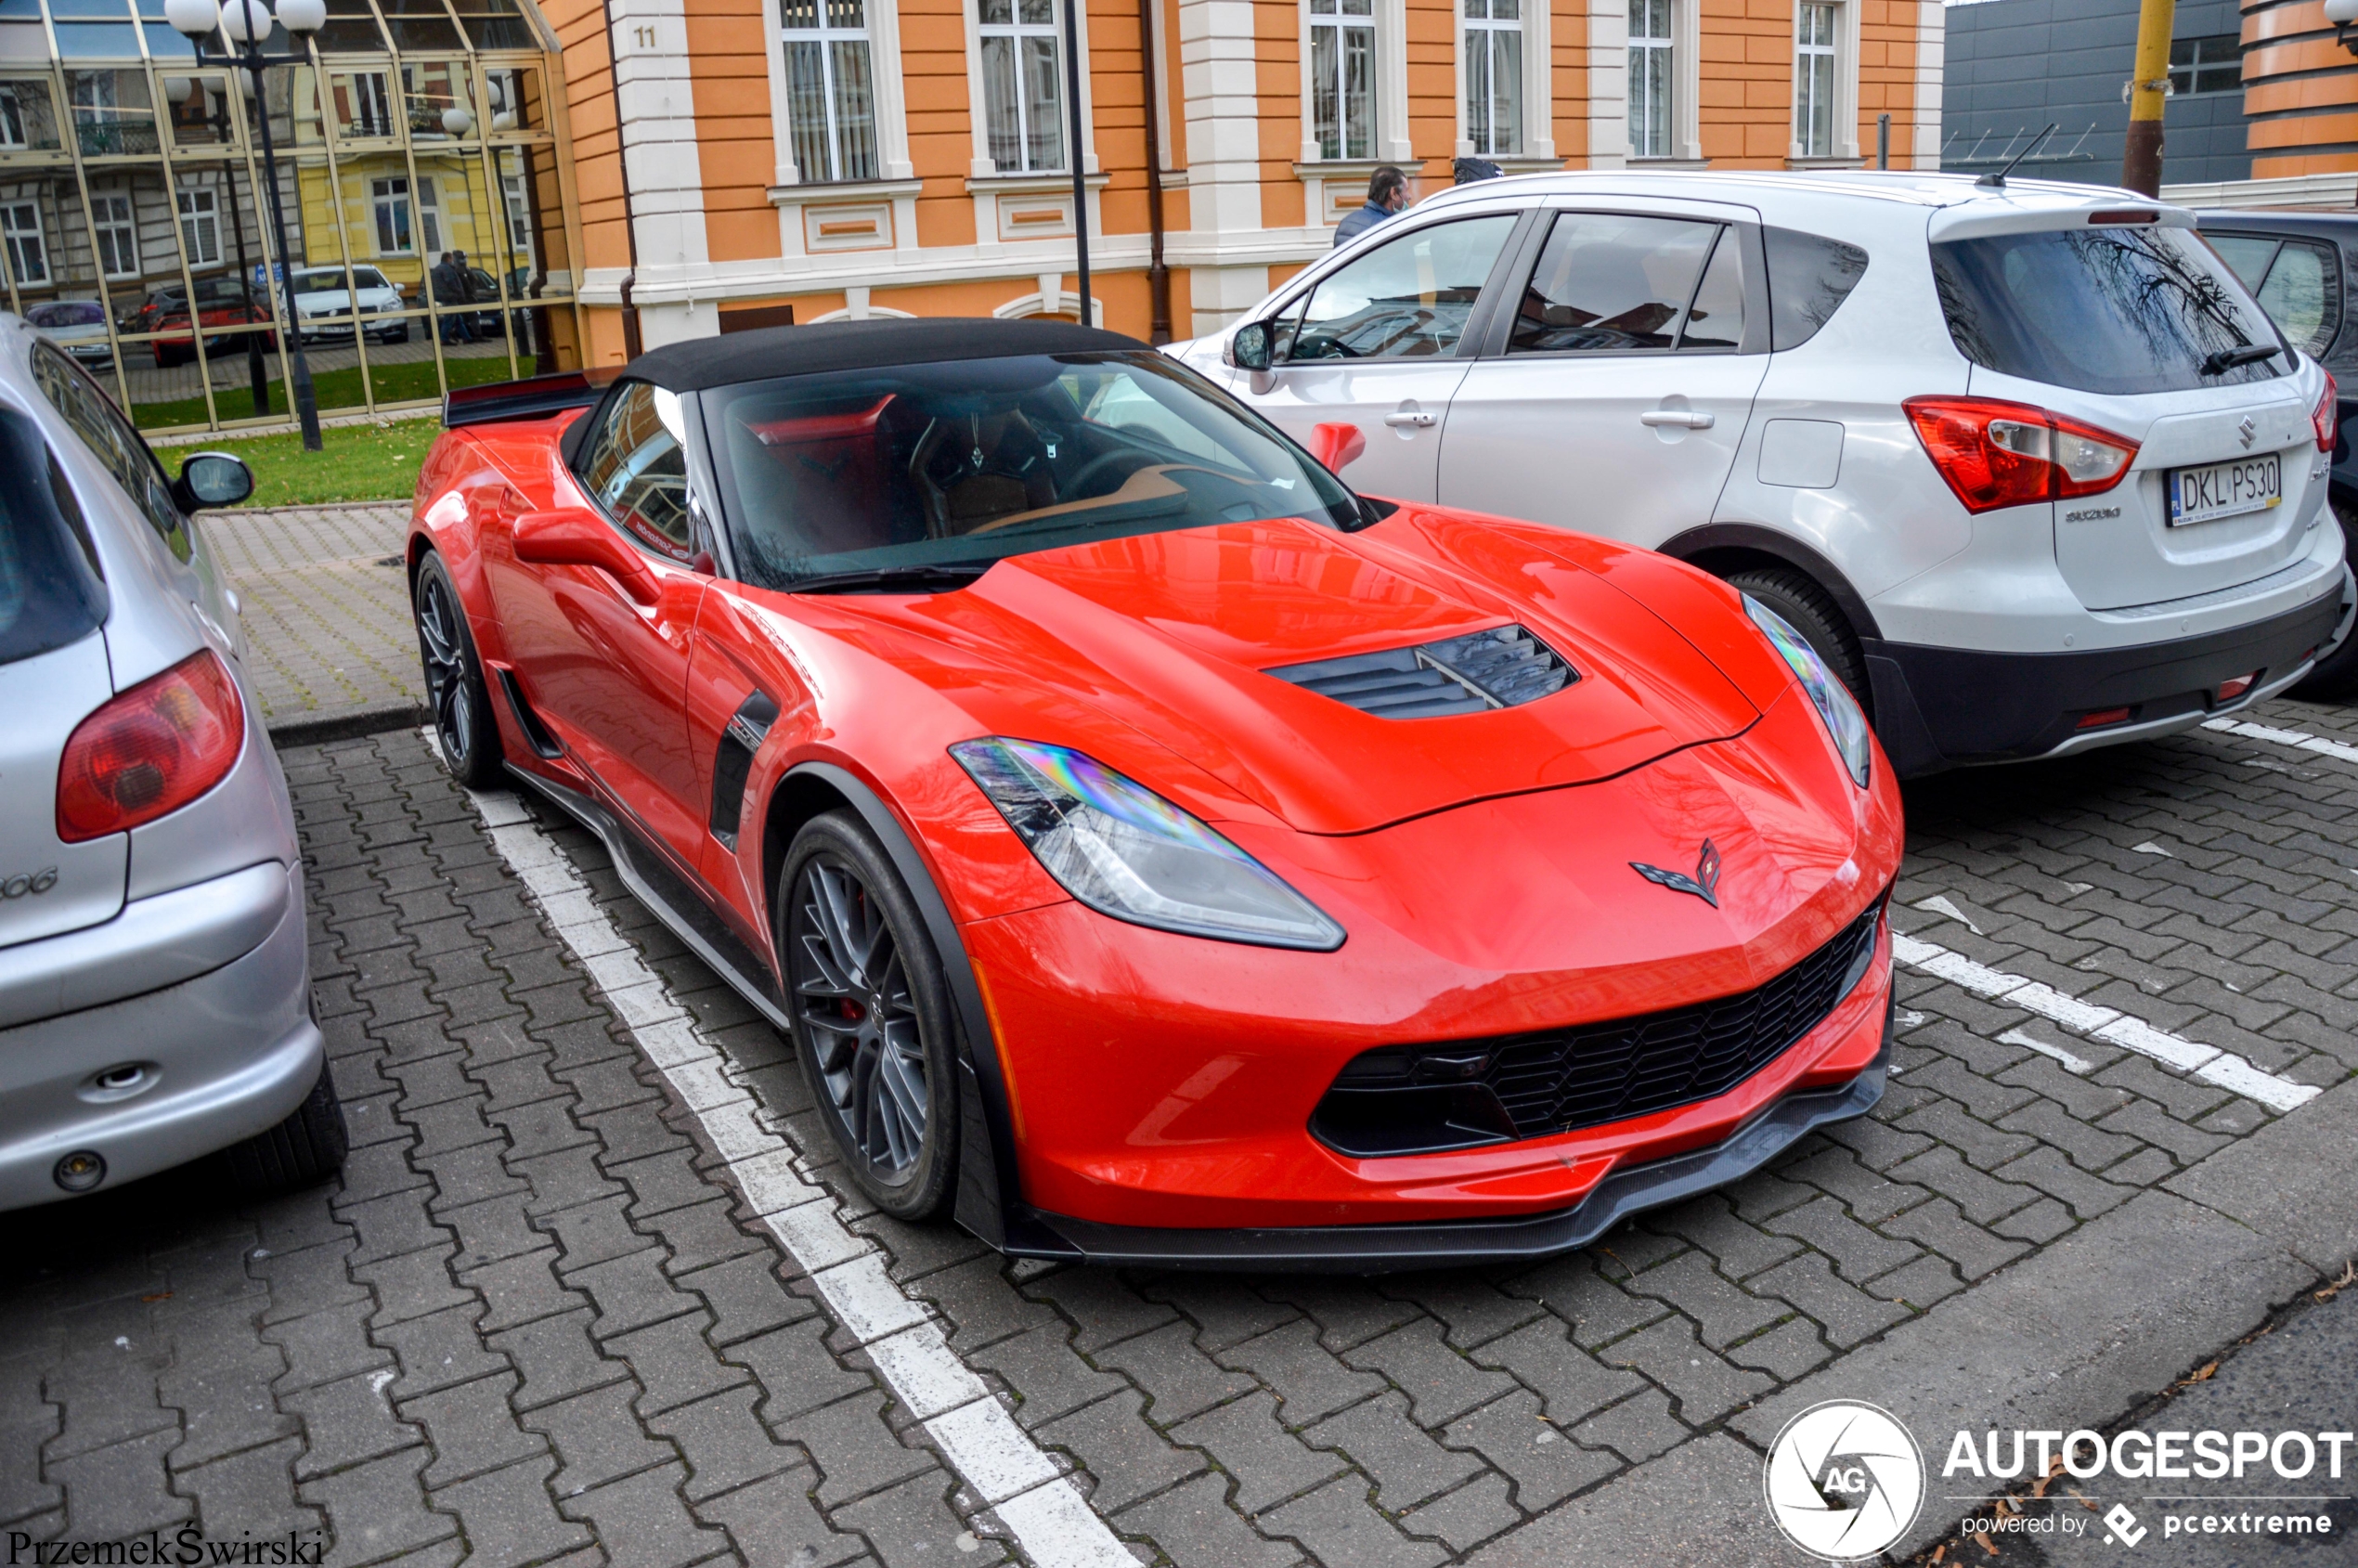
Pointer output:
x,y
1126,851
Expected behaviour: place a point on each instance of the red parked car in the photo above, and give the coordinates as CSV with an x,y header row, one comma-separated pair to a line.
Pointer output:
x,y
222,303
1156,851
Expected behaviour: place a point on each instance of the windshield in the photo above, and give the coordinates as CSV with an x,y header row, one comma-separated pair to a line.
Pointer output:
x,y
962,463
2110,309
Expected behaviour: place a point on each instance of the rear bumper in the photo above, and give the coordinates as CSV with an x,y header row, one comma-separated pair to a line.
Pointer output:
x,y
1947,707
1377,1249
224,1055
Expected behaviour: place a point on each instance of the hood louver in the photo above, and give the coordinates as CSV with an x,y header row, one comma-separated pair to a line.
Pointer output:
x,y
1503,667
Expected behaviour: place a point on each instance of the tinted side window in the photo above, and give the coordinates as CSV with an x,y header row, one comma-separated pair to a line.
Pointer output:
x,y
635,465
1809,275
1406,299
114,443
2246,255
1610,283
50,590
2303,294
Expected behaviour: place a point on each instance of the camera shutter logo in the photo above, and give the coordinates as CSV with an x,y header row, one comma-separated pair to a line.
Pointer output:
x,y
1844,1480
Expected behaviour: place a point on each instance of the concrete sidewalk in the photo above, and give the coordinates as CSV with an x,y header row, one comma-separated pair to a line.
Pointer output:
x,y
326,607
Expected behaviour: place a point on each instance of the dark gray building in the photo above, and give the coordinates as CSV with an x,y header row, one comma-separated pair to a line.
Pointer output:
x,y
2014,65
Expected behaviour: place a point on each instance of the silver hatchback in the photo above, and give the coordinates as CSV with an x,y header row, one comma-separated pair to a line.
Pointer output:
x,y
155,998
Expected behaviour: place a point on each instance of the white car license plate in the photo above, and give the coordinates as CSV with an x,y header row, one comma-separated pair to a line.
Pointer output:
x,y
2226,490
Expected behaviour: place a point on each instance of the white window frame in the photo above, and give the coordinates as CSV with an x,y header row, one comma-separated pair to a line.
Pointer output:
x,y
1845,75
372,104
198,208
11,116
1391,146
14,236
826,36
884,67
1487,29
1334,20
984,166
1612,117
113,216
1016,31
381,196
426,212
1536,85
1665,43
1816,68
516,205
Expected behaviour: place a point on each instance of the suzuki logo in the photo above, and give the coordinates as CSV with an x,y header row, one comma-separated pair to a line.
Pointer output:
x,y
1704,884
2247,431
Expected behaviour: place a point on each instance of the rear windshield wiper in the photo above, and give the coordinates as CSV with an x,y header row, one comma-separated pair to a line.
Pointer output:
x,y
2229,358
940,577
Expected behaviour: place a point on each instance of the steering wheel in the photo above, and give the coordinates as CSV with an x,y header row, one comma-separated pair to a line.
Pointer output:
x,y
1089,469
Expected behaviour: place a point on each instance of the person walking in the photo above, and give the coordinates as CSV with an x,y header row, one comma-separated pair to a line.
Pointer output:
x,y
1387,194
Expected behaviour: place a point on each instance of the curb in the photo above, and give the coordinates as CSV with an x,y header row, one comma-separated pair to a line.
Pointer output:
x,y
351,724
2075,1335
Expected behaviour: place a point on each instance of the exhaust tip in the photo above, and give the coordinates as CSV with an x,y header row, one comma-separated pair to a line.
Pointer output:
x,y
81,1171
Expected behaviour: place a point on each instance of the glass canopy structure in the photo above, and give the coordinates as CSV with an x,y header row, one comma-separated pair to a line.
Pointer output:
x,y
426,172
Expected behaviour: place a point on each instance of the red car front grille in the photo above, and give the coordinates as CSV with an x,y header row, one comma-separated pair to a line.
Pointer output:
x,y
1415,1099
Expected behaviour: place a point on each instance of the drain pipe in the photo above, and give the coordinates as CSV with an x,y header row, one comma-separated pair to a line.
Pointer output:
x,y
1157,275
632,346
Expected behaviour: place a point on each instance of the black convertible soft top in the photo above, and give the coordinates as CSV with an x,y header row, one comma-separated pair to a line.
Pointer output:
x,y
737,357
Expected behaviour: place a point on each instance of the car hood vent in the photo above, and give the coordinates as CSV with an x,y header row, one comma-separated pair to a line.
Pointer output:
x,y
1503,667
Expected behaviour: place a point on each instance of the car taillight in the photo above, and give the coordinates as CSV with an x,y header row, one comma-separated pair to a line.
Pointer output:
x,y
2327,415
1997,454
151,751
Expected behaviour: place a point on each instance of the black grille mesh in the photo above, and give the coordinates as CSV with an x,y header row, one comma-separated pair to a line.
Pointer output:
x,y
1610,1072
1503,667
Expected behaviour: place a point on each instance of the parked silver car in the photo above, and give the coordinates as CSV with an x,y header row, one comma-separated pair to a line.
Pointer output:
x,y
155,1000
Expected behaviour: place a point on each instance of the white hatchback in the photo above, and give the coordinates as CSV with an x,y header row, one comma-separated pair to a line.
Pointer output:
x,y
2026,462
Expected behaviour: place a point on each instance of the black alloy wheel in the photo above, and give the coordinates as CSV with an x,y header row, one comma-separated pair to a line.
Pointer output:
x,y
462,722
871,1016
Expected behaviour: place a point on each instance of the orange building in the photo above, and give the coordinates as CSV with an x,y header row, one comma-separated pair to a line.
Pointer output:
x,y
2300,92
834,157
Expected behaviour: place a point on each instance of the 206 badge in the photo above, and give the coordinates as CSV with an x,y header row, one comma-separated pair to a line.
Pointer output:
x,y
1704,884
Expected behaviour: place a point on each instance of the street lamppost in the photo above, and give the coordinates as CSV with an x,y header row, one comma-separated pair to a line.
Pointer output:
x,y
246,23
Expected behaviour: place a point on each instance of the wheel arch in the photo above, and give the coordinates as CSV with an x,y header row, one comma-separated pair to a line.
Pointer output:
x,y
987,1190
1724,548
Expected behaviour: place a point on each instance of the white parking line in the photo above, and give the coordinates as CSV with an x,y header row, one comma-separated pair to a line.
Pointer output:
x,y
2207,1062
1052,1524
2299,740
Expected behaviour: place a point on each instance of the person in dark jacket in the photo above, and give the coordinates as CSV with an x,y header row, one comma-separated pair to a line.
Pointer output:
x,y
450,289
1387,194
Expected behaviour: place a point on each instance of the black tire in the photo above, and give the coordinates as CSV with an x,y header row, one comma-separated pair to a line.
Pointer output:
x,y
872,1015
1812,611
456,693
309,1145
2337,674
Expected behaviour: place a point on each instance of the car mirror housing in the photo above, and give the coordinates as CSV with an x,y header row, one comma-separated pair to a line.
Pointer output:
x,y
1250,347
1337,445
212,479
578,536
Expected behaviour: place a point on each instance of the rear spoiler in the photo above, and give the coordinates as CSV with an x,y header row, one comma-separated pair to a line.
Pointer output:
x,y
531,398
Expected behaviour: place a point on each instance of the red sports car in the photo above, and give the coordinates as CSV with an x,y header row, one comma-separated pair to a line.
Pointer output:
x,y
1157,852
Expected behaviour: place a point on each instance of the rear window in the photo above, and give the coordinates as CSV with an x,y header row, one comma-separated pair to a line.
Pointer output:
x,y
2113,309
51,593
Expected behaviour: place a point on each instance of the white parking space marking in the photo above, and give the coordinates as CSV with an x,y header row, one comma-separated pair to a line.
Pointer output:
x,y
2206,1062
2300,740
1052,1524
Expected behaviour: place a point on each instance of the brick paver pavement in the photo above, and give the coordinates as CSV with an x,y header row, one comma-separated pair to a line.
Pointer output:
x,y
326,607
530,1323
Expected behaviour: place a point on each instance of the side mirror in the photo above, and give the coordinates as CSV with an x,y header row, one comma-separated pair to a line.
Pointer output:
x,y
212,479
1337,445
1250,346
575,537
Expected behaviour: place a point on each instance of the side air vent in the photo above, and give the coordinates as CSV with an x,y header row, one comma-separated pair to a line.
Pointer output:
x,y
732,761
1503,667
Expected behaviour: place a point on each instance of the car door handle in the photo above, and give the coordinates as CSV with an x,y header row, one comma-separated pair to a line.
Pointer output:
x,y
1681,417
1415,420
